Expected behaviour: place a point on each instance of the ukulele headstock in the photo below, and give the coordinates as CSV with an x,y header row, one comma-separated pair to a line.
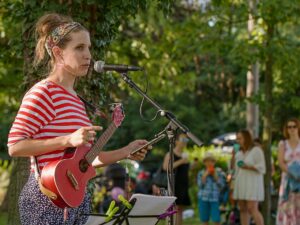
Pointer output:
x,y
117,113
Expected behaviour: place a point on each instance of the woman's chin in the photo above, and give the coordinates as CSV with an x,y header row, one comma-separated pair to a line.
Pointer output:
x,y
82,73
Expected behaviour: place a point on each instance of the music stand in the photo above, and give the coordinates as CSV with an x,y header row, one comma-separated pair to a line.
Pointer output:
x,y
146,210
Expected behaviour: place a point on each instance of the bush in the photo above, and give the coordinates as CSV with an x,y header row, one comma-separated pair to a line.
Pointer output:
x,y
196,152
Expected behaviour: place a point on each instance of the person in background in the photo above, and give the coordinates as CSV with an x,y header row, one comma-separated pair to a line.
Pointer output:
x,y
181,170
210,181
249,183
52,118
143,183
288,211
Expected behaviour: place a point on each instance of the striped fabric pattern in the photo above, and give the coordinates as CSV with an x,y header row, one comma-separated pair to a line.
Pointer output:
x,y
48,111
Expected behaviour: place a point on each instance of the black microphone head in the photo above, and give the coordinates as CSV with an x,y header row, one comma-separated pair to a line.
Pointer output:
x,y
99,66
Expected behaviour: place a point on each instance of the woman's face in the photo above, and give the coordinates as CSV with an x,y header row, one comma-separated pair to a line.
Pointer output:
x,y
292,128
240,139
182,141
76,56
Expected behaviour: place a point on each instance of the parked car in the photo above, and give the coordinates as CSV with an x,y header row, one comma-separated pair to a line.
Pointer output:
x,y
225,141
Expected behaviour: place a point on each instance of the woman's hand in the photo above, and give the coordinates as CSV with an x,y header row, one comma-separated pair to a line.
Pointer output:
x,y
82,136
247,167
243,165
140,155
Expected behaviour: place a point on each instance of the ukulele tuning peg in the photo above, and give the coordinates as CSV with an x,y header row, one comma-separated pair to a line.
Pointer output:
x,y
112,106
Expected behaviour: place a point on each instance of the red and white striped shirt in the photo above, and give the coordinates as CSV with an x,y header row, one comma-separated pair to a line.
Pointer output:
x,y
48,111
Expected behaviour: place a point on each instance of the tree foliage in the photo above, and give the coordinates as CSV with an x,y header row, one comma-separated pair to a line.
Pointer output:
x,y
196,57
203,53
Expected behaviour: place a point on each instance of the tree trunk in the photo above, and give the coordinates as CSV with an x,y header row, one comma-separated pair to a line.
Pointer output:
x,y
19,176
252,108
20,170
252,80
267,133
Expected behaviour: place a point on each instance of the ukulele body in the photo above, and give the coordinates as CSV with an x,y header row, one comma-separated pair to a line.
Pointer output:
x,y
68,178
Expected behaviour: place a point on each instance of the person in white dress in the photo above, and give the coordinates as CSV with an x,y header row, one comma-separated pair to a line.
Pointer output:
x,y
249,183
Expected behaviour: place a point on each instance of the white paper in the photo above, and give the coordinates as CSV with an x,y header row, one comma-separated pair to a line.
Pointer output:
x,y
144,205
96,220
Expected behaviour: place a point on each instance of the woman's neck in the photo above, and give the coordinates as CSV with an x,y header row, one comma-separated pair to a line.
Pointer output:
x,y
178,150
294,138
244,149
64,80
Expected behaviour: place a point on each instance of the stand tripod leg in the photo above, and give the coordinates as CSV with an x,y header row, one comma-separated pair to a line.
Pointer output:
x,y
171,130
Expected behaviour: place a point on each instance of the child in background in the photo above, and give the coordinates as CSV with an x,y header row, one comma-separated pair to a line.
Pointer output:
x,y
210,182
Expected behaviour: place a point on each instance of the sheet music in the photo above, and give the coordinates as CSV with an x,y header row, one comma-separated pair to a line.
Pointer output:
x,y
145,205
96,220
149,205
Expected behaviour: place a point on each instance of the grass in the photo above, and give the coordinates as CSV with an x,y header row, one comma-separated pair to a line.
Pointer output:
x,y
3,218
189,221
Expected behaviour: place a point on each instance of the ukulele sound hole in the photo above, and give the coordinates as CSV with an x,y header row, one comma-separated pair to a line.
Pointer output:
x,y
83,165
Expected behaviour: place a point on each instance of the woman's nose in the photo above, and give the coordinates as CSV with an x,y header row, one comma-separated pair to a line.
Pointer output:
x,y
88,54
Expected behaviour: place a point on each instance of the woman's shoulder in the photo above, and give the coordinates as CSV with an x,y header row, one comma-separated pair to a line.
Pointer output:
x,y
238,153
256,149
40,87
39,93
283,145
281,142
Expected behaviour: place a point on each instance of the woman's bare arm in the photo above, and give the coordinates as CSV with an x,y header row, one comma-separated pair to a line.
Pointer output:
x,y
281,161
33,147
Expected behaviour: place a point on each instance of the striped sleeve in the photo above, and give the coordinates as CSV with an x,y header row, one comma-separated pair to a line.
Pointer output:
x,y
35,112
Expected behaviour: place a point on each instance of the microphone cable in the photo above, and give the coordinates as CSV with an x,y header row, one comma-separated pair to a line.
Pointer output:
x,y
143,100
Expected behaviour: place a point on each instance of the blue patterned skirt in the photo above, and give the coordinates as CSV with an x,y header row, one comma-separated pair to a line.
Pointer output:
x,y
36,209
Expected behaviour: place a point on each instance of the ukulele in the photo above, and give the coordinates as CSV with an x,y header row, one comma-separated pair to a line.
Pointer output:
x,y
64,181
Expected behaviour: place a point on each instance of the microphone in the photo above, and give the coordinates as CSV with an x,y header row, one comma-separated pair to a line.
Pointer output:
x,y
100,66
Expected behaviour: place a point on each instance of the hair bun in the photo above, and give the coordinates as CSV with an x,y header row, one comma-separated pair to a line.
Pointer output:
x,y
47,23
44,26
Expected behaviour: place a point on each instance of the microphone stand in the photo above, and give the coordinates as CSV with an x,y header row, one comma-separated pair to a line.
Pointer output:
x,y
163,112
171,134
171,129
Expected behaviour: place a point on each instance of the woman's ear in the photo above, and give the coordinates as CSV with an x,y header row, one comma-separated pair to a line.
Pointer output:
x,y
57,54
